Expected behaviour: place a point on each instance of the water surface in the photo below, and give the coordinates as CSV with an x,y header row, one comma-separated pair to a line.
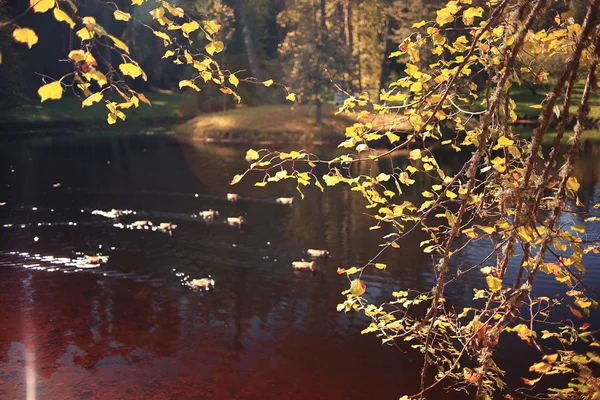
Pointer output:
x,y
130,329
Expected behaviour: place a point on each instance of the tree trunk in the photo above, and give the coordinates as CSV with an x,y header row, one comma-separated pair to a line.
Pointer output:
x,y
348,33
348,29
386,53
253,63
320,78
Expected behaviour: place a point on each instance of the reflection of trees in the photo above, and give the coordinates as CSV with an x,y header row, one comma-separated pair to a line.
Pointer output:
x,y
587,170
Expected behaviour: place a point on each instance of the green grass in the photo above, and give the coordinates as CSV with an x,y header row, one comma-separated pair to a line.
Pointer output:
x,y
165,106
524,99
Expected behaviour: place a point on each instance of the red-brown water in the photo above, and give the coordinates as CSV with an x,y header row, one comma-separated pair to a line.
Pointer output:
x,y
130,330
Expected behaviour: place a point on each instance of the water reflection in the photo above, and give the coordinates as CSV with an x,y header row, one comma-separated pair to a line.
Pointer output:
x,y
129,329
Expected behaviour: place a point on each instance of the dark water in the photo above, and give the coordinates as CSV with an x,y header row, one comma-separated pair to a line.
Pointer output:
x,y
130,329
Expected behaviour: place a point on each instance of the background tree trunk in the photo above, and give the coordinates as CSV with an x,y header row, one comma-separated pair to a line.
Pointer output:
x,y
320,79
255,69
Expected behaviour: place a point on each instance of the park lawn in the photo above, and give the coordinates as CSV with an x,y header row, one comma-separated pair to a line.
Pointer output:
x,y
524,99
165,106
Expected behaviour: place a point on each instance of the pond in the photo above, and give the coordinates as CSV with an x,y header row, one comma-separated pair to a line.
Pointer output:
x,y
131,329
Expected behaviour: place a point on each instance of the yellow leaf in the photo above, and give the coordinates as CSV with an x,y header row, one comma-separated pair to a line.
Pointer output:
x,y
97,76
443,17
96,97
383,177
111,119
392,137
268,83
536,106
380,266
252,155
174,11
168,53
503,141
524,332
234,80
487,229
25,35
207,76
291,97
144,99
572,184
122,16
214,47
416,87
79,56
131,70
190,27
412,70
162,35
119,44
531,382
41,6
494,283
62,16
219,46
211,27
0,58
190,84
414,154
418,24
157,13
357,288
498,31
85,34
470,14
551,358
540,367
137,2
51,91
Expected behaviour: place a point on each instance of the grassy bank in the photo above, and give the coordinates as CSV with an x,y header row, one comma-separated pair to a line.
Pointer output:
x,y
68,113
272,122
